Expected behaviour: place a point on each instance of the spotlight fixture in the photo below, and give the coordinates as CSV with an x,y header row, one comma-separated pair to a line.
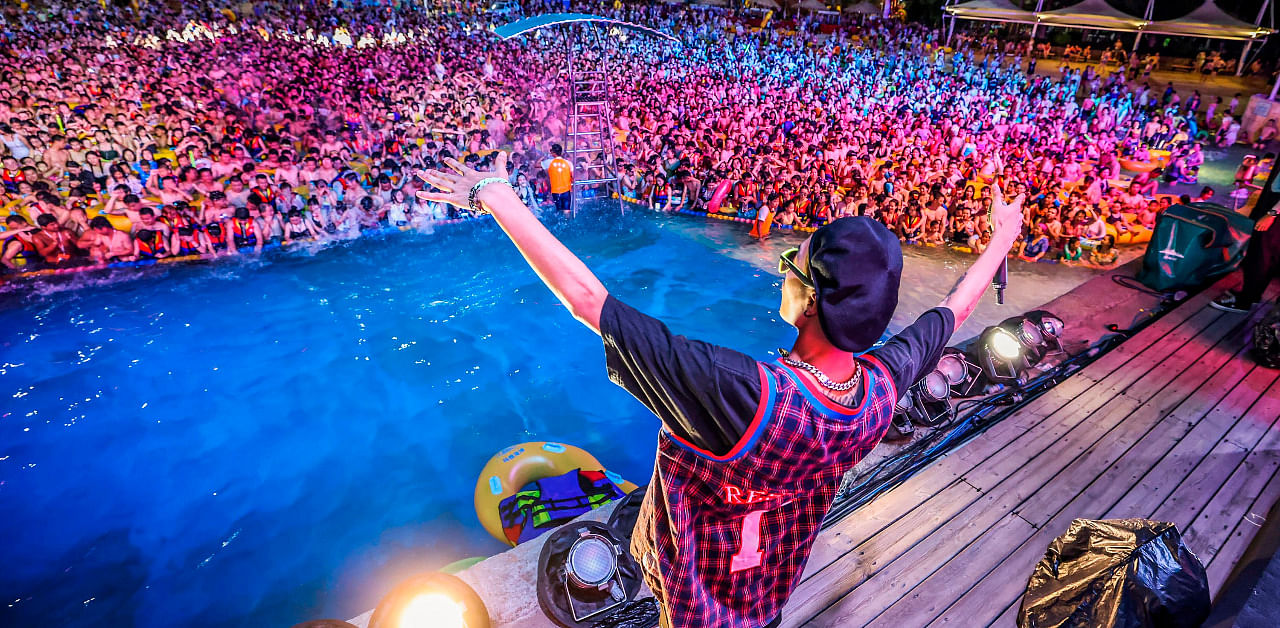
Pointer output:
x,y
1052,326
432,600
928,401
585,574
962,373
1006,351
1000,354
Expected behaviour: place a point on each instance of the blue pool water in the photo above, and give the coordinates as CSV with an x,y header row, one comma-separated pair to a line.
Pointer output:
x,y
259,442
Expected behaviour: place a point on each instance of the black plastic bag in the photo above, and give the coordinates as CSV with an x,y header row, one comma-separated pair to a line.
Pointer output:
x,y
1266,340
1118,573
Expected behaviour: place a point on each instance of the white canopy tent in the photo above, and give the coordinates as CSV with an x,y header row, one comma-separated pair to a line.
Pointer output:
x,y
1209,20
771,5
1095,14
992,11
813,5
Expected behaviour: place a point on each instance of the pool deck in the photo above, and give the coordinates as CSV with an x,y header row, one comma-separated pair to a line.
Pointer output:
x,y
1176,424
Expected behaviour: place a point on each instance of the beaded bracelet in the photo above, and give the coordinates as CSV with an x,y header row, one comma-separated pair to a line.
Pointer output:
x,y
472,202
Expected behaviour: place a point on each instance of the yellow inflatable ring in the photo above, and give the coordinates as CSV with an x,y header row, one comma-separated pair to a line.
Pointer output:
x,y
510,469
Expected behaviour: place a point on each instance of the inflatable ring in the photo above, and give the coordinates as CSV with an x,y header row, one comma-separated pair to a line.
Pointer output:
x,y
1138,166
510,469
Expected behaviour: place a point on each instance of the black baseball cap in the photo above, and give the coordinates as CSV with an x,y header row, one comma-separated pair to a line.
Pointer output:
x,y
856,267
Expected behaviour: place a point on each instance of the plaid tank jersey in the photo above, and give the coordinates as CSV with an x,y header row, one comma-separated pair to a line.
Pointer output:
x,y
725,538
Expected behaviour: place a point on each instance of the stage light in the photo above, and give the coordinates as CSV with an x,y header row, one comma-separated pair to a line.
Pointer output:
x,y
1052,326
1004,344
928,401
432,600
592,562
1006,351
585,573
433,609
963,373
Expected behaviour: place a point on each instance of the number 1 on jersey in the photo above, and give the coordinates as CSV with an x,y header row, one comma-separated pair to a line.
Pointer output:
x,y
749,555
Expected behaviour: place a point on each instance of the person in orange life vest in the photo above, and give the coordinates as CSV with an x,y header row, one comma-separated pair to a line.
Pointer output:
x,y
244,231
148,244
11,175
105,243
746,195
147,220
19,248
55,244
560,176
750,453
262,192
764,217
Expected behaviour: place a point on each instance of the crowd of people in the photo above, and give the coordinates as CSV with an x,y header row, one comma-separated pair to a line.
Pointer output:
x,y
162,131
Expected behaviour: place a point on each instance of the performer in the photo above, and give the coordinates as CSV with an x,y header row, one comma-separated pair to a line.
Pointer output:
x,y
750,453
1261,264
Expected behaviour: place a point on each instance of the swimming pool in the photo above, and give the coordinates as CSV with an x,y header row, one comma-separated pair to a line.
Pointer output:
x,y
259,442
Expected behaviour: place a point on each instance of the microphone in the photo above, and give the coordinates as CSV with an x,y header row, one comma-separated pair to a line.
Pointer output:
x,y
1001,280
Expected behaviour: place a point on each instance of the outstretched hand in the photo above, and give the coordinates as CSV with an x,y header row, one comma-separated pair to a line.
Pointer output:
x,y
1006,217
454,187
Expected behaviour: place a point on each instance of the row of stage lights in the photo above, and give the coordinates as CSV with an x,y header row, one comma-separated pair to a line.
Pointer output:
x,y
1002,356
588,574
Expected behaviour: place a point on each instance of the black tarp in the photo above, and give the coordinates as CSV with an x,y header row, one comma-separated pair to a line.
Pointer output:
x,y
1119,573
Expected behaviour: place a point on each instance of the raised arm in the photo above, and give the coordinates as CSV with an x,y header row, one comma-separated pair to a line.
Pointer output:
x,y
571,281
968,291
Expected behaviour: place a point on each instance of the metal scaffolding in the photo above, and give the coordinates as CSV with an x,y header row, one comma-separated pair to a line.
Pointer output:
x,y
590,142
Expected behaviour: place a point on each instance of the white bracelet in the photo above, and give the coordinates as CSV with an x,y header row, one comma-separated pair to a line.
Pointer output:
x,y
473,202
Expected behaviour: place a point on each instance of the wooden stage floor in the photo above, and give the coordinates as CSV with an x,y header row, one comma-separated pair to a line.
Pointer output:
x,y
1176,424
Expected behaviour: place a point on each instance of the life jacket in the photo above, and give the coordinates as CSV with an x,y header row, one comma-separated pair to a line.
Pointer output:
x,y
263,196
174,223
29,251
11,178
188,242
216,236
243,232
551,501
150,244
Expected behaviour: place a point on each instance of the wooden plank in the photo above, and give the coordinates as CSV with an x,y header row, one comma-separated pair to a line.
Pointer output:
x,y
1219,569
1211,528
1141,341
1009,618
1183,341
873,553
1006,582
964,524
990,455
1160,480
862,609
1030,445
842,537
1221,461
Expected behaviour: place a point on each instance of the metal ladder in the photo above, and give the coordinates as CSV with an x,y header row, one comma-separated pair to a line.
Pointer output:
x,y
590,129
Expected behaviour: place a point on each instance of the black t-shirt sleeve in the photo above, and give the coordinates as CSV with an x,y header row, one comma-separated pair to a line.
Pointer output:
x,y
914,352
705,395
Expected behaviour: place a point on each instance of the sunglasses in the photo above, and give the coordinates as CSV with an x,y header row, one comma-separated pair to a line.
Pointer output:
x,y
787,262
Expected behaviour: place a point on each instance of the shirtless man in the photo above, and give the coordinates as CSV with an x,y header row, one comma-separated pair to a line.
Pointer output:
x,y
104,243
53,243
